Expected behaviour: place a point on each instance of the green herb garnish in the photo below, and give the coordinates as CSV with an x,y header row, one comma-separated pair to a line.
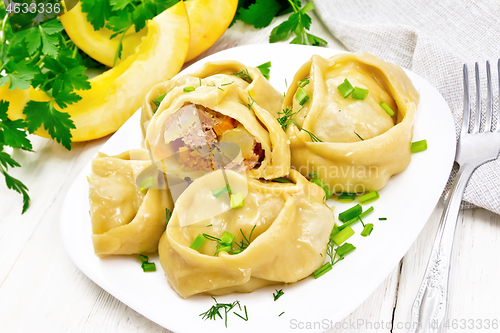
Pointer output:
x,y
359,136
147,183
301,96
282,180
237,200
278,294
223,190
304,82
367,230
146,265
347,197
281,314
313,137
382,218
368,197
265,69
342,235
350,213
214,311
359,93
314,178
387,108
157,101
286,118
345,88
297,23
244,75
322,270
188,89
198,242
226,84
418,146
245,242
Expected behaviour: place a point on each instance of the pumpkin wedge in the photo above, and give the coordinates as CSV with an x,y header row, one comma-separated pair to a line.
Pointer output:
x,y
119,92
208,20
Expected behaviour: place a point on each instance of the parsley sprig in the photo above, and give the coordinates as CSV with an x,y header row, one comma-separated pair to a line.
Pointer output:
x,y
41,57
260,14
120,15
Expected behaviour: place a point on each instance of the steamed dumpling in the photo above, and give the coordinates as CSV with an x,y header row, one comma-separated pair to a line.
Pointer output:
x,y
289,226
126,219
211,119
354,145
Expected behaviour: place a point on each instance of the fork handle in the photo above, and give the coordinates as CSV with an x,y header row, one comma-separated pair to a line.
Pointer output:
x,y
429,306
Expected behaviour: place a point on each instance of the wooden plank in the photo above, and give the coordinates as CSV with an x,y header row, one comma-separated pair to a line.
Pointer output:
x,y
473,288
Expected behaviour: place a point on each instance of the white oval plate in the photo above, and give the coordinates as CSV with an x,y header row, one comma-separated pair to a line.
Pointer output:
x,y
407,202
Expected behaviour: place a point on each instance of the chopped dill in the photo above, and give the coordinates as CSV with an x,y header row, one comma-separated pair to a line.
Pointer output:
x,y
278,294
244,75
214,311
359,136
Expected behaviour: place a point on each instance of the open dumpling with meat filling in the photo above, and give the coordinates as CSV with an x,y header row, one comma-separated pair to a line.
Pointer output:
x,y
280,234
128,203
203,122
350,141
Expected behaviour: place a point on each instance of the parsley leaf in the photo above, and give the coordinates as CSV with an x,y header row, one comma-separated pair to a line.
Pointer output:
x,y
18,74
98,12
260,14
12,183
45,35
265,69
12,132
57,123
298,23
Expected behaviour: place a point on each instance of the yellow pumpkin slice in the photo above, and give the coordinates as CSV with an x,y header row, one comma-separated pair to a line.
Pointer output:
x,y
208,20
119,92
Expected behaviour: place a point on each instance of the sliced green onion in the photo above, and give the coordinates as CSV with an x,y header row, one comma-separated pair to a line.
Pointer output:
x,y
188,89
368,197
359,136
148,266
301,96
225,248
418,146
359,93
147,183
367,230
220,191
349,223
322,270
350,213
282,180
347,197
198,242
227,238
345,249
304,82
346,88
343,235
160,98
366,212
382,218
237,200
387,108
335,230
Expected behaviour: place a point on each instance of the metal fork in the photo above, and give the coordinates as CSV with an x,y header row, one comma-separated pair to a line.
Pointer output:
x,y
473,149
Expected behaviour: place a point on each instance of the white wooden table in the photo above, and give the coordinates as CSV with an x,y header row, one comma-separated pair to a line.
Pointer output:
x,y
41,290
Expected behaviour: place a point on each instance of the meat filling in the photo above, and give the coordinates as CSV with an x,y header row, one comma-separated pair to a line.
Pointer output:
x,y
208,140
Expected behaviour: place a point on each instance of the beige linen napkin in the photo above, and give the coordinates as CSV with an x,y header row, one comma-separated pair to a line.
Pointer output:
x,y
434,39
